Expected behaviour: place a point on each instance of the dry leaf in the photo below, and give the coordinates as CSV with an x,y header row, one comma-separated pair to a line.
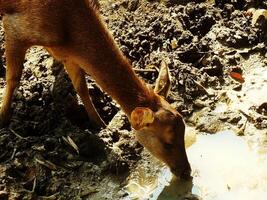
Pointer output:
x,y
237,76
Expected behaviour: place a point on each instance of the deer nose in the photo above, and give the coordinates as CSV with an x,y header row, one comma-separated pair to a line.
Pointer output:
x,y
182,172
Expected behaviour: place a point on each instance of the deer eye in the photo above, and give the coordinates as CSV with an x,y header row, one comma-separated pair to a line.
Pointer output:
x,y
147,124
168,146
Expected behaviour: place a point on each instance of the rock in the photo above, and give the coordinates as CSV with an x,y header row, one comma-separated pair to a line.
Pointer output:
x,y
3,195
200,104
250,12
262,109
174,43
259,15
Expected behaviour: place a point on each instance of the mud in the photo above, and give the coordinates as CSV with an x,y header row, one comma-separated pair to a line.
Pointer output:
x,y
50,150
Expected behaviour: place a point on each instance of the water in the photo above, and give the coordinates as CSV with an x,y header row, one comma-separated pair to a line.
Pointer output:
x,y
224,167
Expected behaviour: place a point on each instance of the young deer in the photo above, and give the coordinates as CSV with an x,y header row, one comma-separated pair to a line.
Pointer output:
x,y
73,32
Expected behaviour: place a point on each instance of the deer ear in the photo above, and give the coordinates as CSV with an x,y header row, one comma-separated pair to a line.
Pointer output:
x,y
163,82
141,117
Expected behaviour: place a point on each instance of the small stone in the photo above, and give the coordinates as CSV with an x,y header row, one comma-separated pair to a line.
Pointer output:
x,y
174,43
250,12
3,195
200,104
258,14
238,88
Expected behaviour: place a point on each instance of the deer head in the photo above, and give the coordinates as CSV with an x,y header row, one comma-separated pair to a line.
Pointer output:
x,y
161,129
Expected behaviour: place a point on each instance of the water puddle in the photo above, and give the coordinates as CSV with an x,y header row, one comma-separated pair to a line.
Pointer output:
x,y
227,167
224,166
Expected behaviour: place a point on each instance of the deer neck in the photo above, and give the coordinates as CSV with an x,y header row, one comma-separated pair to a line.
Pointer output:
x,y
122,84
104,61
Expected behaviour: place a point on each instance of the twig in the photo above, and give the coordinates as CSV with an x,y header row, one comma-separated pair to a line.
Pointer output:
x,y
13,154
200,52
242,129
250,118
16,134
34,185
47,164
71,143
51,197
202,87
144,70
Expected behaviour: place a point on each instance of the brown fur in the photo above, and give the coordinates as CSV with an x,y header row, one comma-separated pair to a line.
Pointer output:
x,y
93,3
73,32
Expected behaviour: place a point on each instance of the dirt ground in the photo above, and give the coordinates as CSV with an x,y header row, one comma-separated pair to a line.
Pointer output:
x,y
50,149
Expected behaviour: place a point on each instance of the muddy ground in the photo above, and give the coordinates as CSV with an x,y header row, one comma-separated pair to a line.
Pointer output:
x,y
50,150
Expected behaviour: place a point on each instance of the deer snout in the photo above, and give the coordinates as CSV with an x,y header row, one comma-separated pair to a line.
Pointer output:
x,y
183,171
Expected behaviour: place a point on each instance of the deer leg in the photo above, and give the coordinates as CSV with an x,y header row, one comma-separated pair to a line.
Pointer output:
x,y
15,54
77,76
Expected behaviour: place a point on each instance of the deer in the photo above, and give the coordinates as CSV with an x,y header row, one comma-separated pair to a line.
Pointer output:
x,y
73,32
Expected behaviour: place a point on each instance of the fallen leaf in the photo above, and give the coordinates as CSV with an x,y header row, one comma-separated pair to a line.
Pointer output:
x,y
237,76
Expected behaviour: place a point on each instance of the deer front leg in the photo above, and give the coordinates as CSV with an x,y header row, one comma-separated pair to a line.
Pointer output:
x,y
77,76
15,54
